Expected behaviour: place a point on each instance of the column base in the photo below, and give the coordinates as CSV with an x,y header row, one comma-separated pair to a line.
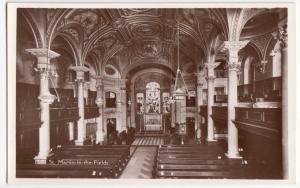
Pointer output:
x,y
211,140
99,137
79,142
42,159
233,156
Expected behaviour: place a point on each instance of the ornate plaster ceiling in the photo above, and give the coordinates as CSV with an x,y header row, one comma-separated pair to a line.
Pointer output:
x,y
142,35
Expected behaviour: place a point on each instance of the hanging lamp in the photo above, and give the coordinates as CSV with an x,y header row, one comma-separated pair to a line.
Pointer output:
x,y
179,93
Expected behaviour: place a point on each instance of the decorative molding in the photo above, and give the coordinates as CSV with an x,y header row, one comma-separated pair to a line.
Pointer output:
x,y
73,32
210,78
47,98
235,66
43,52
282,36
99,102
80,70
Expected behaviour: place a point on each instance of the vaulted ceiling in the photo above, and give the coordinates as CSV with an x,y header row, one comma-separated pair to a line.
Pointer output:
x,y
133,39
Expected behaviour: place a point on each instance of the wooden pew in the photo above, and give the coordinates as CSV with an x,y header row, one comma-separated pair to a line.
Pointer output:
x,y
190,161
80,162
65,171
193,174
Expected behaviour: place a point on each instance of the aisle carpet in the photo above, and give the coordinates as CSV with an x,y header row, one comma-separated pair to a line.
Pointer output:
x,y
141,163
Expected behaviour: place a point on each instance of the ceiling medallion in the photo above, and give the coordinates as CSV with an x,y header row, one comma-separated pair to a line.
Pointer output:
x,y
147,30
149,49
87,19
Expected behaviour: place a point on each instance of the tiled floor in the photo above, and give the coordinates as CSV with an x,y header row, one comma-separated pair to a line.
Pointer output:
x,y
141,163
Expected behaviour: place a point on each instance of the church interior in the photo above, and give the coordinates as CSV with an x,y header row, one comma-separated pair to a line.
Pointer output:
x,y
151,93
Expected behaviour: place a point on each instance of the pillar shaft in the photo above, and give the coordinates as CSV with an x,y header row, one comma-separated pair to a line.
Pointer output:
x,y
233,48
99,120
46,98
199,102
71,131
232,102
81,127
282,36
210,66
210,103
133,106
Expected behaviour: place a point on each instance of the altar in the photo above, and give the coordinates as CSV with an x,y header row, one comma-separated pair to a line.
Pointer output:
x,y
153,123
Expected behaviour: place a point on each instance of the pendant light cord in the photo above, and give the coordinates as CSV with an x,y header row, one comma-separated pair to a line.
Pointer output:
x,y
179,73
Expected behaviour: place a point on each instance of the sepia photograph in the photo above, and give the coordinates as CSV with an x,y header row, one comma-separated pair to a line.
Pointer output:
x,y
150,92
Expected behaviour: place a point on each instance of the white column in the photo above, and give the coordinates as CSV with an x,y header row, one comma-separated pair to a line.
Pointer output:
x,y
210,100
46,98
282,36
199,102
99,120
233,48
71,130
123,110
119,111
133,105
81,128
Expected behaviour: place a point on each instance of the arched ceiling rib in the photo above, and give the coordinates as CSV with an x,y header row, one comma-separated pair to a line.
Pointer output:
x,y
146,34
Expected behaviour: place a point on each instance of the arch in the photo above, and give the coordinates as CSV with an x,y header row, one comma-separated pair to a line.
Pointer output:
x,y
97,35
259,53
221,20
72,46
145,66
135,76
35,31
57,18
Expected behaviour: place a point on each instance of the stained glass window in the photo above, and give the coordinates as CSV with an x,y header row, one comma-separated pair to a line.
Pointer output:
x,y
153,97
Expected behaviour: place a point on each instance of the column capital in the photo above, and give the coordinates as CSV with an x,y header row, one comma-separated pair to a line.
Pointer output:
x,y
43,56
234,66
99,101
47,98
43,52
99,81
281,35
80,70
210,66
210,78
234,45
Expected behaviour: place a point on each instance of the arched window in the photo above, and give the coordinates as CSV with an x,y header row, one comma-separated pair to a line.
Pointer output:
x,y
110,99
153,97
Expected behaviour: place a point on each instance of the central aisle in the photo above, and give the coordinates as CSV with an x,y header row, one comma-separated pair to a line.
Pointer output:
x,y
141,163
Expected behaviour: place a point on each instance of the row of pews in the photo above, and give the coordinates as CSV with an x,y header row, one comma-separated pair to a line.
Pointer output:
x,y
195,162
79,162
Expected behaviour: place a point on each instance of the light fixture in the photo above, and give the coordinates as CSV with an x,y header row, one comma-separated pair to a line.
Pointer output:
x,y
129,102
261,66
179,94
